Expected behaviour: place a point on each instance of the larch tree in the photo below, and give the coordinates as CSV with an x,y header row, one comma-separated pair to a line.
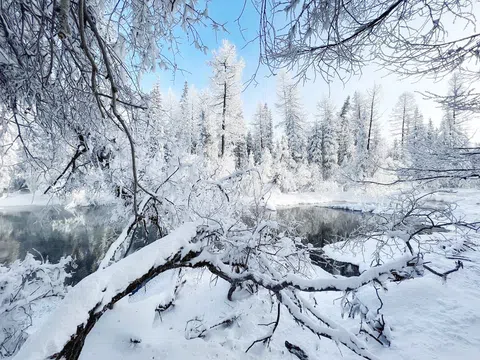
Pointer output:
x,y
373,113
403,117
208,129
263,131
359,126
329,147
315,140
455,117
184,120
291,114
417,139
344,136
226,88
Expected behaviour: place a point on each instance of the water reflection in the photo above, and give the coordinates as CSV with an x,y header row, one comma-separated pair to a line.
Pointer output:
x,y
86,234
320,226
55,232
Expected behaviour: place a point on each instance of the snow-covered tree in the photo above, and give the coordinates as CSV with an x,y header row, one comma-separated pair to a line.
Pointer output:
x,y
452,127
403,117
373,113
315,140
345,133
207,139
417,140
329,138
284,166
226,88
291,114
359,126
250,144
262,131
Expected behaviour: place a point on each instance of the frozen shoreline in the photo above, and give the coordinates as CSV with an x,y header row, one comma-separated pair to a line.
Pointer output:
x,y
25,201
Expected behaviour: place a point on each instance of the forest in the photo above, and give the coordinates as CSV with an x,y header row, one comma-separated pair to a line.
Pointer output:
x,y
202,252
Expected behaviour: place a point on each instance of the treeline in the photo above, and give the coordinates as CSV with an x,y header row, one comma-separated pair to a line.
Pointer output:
x,y
298,151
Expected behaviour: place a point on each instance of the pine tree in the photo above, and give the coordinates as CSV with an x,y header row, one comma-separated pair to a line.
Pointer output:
x,y
172,144
241,156
431,133
268,127
155,121
417,139
284,166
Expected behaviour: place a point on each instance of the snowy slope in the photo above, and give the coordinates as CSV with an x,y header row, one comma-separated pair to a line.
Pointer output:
x,y
430,320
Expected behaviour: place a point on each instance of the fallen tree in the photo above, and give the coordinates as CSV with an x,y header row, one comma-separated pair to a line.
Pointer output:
x,y
260,256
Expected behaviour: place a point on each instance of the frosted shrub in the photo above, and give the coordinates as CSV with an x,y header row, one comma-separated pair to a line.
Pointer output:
x,y
24,286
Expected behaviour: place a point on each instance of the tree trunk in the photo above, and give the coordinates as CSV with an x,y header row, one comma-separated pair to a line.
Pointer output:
x,y
224,115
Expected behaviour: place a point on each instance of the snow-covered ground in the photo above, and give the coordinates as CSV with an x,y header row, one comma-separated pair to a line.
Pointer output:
x,y
360,199
430,319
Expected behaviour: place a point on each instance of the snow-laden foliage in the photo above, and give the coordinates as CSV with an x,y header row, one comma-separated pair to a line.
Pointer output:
x,y
259,257
226,100
292,115
24,285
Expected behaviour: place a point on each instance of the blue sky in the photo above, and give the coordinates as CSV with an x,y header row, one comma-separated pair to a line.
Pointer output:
x,y
227,11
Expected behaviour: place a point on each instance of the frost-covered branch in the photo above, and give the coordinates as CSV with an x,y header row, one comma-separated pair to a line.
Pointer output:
x,y
25,284
236,256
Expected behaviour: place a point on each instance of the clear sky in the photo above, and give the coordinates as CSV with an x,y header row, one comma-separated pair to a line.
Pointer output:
x,y
197,72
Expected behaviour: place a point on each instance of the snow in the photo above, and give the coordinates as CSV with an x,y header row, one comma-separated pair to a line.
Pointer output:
x,y
98,289
18,201
356,199
430,318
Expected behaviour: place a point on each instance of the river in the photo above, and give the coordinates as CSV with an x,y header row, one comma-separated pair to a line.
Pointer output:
x,y
53,232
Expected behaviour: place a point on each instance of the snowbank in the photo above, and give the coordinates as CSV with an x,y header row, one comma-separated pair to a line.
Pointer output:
x,y
336,198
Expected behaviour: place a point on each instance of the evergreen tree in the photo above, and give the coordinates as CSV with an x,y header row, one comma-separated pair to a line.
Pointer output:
x,y
207,145
417,139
